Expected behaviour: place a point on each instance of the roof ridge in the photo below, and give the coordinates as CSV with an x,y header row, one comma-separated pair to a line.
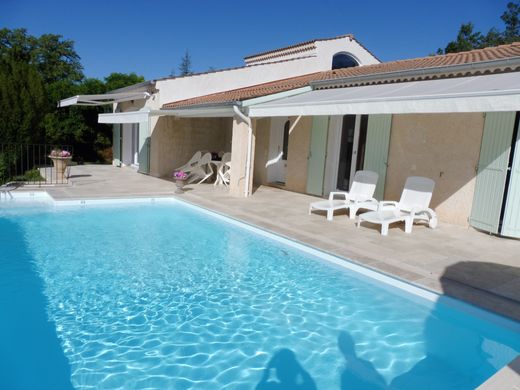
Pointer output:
x,y
226,69
304,43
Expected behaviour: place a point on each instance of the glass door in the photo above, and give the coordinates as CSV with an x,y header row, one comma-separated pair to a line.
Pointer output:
x,y
278,149
352,149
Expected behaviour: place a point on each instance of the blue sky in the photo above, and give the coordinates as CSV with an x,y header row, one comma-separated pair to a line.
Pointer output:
x,y
150,37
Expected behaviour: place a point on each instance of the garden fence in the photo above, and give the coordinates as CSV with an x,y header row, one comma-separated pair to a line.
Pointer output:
x,y
30,164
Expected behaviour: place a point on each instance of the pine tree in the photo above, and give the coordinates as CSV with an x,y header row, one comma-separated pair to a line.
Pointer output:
x,y
185,66
468,39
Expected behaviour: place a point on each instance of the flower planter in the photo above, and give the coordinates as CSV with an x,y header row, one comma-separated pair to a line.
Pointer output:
x,y
60,165
179,184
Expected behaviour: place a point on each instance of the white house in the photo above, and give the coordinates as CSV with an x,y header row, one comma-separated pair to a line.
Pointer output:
x,y
306,117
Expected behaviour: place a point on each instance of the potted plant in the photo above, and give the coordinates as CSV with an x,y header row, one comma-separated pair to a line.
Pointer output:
x,y
180,180
60,159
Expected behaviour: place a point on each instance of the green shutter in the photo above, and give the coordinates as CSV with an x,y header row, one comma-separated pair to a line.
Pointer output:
x,y
376,149
317,155
144,147
116,144
492,170
511,222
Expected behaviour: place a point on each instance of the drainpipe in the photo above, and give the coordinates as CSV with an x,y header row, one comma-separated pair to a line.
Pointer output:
x,y
247,120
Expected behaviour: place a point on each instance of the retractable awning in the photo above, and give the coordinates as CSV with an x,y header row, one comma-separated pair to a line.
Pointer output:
x,y
125,117
498,92
144,114
106,98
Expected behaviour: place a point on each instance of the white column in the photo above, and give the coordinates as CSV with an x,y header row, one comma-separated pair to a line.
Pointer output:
x,y
239,148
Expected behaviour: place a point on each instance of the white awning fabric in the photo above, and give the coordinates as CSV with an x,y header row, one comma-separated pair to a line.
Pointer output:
x,y
498,92
145,113
124,117
106,98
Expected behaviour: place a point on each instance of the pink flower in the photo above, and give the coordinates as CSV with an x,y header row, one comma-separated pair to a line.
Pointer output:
x,y
60,153
181,175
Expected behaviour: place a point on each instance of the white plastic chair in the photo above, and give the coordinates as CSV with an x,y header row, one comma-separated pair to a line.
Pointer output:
x,y
222,168
225,173
202,170
226,157
413,205
191,164
360,196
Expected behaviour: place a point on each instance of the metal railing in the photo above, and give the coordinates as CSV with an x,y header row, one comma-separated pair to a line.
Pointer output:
x,y
32,164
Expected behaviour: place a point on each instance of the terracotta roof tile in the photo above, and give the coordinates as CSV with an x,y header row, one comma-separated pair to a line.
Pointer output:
x,y
249,92
382,69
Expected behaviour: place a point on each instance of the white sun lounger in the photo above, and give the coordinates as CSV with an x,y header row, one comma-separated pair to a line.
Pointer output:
x,y
360,196
202,170
413,205
191,164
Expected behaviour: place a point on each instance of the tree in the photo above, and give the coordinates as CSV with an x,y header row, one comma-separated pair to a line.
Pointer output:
x,y
22,102
468,39
121,80
36,72
16,45
511,20
492,38
185,66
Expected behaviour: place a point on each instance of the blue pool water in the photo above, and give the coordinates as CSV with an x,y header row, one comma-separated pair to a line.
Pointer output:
x,y
166,297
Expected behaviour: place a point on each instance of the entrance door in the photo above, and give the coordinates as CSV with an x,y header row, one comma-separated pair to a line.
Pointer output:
x,y
130,144
278,148
352,149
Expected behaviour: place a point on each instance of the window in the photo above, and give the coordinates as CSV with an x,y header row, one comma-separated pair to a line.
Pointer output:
x,y
285,146
343,60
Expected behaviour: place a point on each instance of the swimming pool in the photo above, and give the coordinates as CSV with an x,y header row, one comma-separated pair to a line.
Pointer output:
x,y
158,296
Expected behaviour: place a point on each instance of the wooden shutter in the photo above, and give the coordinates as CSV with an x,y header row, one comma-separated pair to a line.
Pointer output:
x,y
511,222
492,170
376,149
317,155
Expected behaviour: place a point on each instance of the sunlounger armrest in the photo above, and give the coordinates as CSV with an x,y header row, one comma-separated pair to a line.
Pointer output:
x,y
363,199
339,193
432,215
386,203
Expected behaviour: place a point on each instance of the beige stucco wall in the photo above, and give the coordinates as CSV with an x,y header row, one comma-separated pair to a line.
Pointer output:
x,y
175,140
239,150
262,130
132,105
298,155
444,147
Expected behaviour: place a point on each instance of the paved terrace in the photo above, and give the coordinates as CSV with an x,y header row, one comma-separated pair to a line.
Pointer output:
x,y
460,262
